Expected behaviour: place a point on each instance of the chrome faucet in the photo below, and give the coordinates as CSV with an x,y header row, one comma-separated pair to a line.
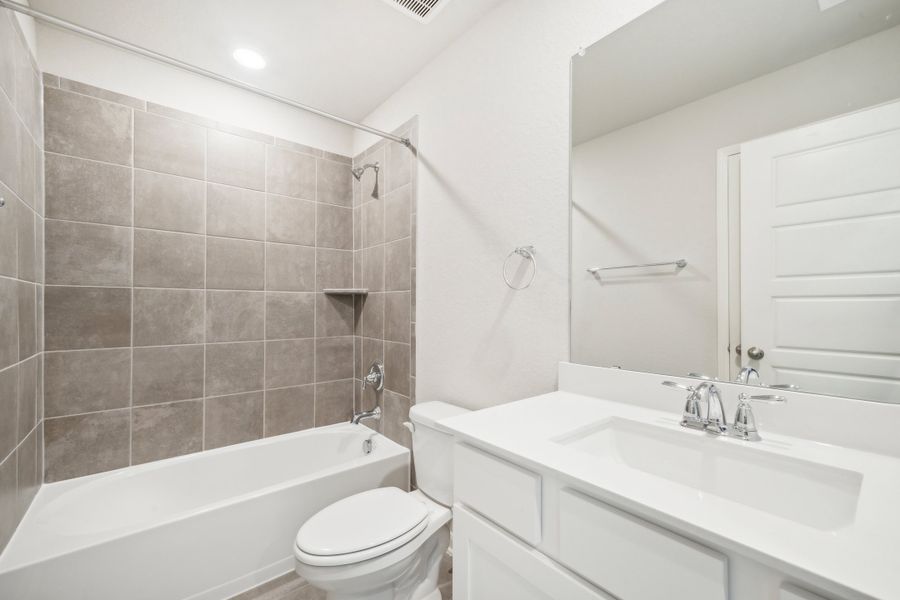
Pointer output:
x,y
368,414
703,408
744,422
748,375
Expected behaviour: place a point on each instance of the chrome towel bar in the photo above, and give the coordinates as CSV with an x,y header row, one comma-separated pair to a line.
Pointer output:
x,y
680,263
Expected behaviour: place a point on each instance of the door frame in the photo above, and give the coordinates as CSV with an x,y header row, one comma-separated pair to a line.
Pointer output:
x,y
727,248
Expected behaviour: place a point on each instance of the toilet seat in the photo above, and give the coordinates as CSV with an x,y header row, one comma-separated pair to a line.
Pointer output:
x,y
361,527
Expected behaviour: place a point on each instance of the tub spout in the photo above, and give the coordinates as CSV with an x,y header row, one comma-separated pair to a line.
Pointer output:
x,y
369,414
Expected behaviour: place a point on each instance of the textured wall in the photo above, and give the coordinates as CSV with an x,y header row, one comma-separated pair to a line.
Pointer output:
x,y
185,263
493,158
385,263
21,277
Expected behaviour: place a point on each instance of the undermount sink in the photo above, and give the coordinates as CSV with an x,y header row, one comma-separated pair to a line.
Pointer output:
x,y
806,492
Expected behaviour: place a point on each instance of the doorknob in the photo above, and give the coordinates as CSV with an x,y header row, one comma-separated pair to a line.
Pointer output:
x,y
754,353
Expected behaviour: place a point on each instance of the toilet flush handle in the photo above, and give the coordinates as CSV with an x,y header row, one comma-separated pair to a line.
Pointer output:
x,y
410,426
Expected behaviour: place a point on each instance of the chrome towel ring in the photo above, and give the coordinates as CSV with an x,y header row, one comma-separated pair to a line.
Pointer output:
x,y
526,252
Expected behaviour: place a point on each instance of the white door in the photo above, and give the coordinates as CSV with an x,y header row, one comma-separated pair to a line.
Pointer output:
x,y
820,255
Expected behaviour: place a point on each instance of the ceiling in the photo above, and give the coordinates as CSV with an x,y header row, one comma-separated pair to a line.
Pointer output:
x,y
685,50
343,56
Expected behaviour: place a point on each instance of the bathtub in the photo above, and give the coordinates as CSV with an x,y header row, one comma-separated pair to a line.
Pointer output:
x,y
204,526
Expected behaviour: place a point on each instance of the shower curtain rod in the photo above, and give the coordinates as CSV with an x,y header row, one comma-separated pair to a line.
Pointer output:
x,y
168,60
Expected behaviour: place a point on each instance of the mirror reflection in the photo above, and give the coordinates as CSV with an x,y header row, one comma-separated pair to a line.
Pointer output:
x,y
736,195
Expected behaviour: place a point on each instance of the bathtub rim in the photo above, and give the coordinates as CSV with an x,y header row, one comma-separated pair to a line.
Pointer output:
x,y
389,451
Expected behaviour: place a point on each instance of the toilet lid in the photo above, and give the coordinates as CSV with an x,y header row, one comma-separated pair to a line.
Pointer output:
x,y
362,521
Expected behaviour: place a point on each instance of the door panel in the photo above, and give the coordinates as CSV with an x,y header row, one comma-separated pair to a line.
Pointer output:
x,y
820,255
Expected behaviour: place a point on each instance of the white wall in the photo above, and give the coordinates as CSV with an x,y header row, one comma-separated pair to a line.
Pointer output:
x,y
648,192
78,58
494,174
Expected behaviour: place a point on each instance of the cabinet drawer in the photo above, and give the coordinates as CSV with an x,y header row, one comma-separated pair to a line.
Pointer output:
x,y
633,559
488,564
501,491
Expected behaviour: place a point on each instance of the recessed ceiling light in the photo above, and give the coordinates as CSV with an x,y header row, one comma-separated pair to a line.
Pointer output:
x,y
249,58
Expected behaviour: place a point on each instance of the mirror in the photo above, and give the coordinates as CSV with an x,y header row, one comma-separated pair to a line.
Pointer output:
x,y
736,195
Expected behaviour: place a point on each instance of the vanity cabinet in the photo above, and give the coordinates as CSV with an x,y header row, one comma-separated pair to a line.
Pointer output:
x,y
523,534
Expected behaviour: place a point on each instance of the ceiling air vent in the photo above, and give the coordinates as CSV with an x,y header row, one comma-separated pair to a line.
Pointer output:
x,y
420,10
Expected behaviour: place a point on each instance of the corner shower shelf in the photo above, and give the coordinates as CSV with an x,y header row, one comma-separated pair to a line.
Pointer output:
x,y
347,291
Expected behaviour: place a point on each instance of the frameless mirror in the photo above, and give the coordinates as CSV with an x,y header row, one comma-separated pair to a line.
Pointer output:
x,y
736,195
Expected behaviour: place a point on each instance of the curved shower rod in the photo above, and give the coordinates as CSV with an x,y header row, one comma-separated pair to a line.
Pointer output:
x,y
174,62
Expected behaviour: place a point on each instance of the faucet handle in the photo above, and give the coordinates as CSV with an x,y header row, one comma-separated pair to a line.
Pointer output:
x,y
687,388
744,426
691,416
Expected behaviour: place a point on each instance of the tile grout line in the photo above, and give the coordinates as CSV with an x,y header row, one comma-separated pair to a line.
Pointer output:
x,y
205,283
265,333
131,335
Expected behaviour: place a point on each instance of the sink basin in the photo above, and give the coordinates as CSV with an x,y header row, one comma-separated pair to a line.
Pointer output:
x,y
811,493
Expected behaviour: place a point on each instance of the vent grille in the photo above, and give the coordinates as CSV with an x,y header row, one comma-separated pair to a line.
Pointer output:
x,y
420,10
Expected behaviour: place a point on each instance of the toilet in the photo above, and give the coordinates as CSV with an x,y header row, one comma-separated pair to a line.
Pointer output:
x,y
387,544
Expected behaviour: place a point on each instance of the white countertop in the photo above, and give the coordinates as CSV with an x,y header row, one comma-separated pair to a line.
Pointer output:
x,y
860,556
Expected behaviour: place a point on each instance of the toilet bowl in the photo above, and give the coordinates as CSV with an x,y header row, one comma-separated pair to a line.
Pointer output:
x,y
387,544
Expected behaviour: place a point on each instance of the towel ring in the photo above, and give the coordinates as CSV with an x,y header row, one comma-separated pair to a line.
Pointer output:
x,y
525,252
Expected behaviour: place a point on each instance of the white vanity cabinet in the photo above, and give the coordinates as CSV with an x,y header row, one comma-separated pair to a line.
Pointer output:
x,y
524,534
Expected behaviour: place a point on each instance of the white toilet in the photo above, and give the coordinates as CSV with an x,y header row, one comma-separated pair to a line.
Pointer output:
x,y
387,544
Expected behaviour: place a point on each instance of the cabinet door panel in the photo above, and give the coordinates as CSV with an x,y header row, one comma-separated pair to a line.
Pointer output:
x,y
489,564
634,559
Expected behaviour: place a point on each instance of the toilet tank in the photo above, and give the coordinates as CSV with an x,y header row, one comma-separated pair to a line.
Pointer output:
x,y
433,449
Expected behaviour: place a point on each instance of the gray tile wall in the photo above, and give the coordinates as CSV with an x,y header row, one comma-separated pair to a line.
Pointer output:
x,y
185,263
384,232
21,277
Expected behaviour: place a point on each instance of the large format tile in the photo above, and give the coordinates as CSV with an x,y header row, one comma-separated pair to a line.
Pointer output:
x,y
90,90
10,159
235,264
396,364
372,213
87,254
85,190
28,476
234,367
334,315
233,419
164,317
373,268
168,145
290,315
334,402
27,403
25,242
291,173
396,316
290,220
9,409
334,227
84,444
334,269
373,315
169,202
83,381
8,40
397,266
86,127
236,161
290,268
290,409
289,362
167,374
9,514
166,430
334,358
396,412
9,223
333,183
235,316
27,307
399,166
397,214
85,317
9,322
163,259
27,153
235,212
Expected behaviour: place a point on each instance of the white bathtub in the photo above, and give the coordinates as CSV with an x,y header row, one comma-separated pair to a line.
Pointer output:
x,y
204,526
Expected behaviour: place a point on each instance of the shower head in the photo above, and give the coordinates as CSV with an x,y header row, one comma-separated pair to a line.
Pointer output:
x,y
358,173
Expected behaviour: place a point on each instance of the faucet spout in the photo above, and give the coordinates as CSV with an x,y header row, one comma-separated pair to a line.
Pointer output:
x,y
375,415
